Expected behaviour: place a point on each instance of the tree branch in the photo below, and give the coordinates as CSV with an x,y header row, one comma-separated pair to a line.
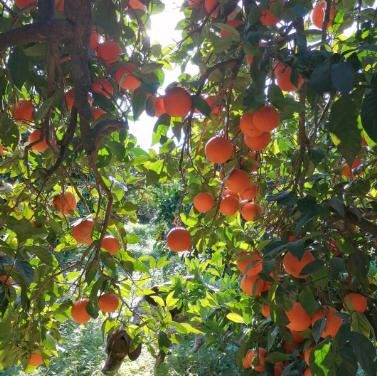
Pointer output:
x,y
361,222
55,31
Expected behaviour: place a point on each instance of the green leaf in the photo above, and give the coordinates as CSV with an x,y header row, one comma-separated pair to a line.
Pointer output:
x,y
318,328
19,66
343,126
297,248
365,352
276,357
106,16
9,133
320,77
369,114
312,267
283,198
133,239
307,300
342,75
152,177
306,218
158,300
201,105
42,111
42,253
25,269
322,360
235,317
39,49
139,101
254,15
348,365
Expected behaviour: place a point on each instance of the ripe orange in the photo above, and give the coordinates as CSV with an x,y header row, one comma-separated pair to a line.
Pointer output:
x,y
258,143
284,81
359,302
248,283
296,337
82,232
159,108
209,5
177,102
35,360
250,192
228,192
70,98
229,205
293,267
266,118
138,89
103,87
299,319
2,148
261,353
308,372
268,19
266,311
79,313
192,3
136,4
237,181
108,302
243,264
22,3
178,239
256,157
251,355
210,100
234,24
333,322
203,202
249,59
22,111
248,127
347,171
288,347
6,280
108,51
251,212
110,244
130,82
278,369
98,112
218,149
318,15
364,141
40,146
94,38
65,203
248,360
307,353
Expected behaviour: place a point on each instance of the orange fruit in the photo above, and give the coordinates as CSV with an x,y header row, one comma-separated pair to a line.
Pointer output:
x,y
248,282
210,101
210,5
266,118
108,51
278,369
234,24
237,181
283,80
251,212
308,372
65,202
229,205
136,4
268,19
102,86
243,264
70,98
110,244
79,313
359,302
130,82
250,192
22,111
293,267
94,38
218,149
318,15
347,171
35,360
249,59
248,127
108,302
258,143
59,5
22,3
41,146
251,355
177,102
299,319
82,232
228,192
192,3
97,113
364,141
266,311
248,360
288,347
296,337
307,353
203,202
178,239
138,89
159,108
256,157
6,280
261,353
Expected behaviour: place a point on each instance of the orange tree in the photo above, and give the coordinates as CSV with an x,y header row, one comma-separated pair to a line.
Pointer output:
x,y
273,142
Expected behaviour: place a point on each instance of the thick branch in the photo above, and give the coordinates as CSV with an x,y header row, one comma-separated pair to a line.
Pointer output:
x,y
46,10
104,128
56,31
363,223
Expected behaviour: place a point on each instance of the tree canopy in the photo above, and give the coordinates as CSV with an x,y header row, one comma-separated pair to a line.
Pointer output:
x,y
272,145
